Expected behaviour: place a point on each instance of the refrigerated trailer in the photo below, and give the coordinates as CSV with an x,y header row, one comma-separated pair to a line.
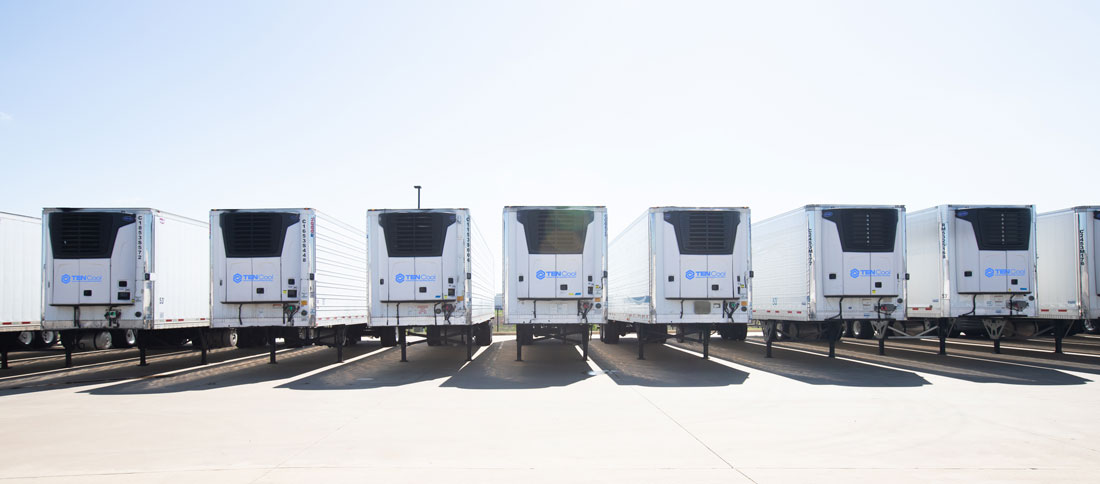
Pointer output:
x,y
1068,243
821,268
683,267
555,273
21,285
136,274
292,273
972,269
429,268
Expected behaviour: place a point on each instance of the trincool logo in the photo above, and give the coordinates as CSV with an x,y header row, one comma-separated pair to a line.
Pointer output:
x,y
856,273
399,278
239,278
540,275
67,278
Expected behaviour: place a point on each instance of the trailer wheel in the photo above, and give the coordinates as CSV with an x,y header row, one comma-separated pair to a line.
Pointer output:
x,y
680,333
742,332
388,336
1091,326
484,334
612,330
433,334
849,330
863,330
124,338
227,337
25,338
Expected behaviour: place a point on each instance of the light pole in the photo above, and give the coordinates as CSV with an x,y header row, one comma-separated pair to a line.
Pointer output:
x,y
417,187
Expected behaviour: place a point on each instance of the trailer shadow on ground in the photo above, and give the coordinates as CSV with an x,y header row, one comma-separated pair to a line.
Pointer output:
x,y
971,364
662,367
110,366
254,368
814,369
545,364
386,369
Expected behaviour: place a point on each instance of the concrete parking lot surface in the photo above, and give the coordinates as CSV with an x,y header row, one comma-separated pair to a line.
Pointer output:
x,y
1025,415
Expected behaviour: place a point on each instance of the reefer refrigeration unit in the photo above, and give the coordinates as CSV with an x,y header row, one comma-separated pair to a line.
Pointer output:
x,y
131,271
21,285
555,272
685,267
973,269
1068,243
822,267
429,268
293,273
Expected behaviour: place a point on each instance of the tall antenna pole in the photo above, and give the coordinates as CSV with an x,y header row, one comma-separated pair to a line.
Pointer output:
x,y
417,187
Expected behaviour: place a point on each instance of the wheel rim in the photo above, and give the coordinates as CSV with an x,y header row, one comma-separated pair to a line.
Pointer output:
x,y
131,337
49,337
103,340
26,338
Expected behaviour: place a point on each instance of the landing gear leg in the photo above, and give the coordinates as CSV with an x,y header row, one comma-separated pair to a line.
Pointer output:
x,y
995,329
202,344
706,342
469,342
340,340
68,340
271,340
402,340
586,335
520,333
1059,332
143,343
640,330
944,328
832,334
769,336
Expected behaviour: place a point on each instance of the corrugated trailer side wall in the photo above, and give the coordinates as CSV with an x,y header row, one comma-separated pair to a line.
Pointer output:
x,y
630,290
482,288
926,263
781,259
20,273
1059,290
181,251
340,270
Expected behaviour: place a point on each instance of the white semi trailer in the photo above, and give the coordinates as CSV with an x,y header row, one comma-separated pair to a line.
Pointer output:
x,y
1068,243
822,267
429,268
973,269
294,273
21,285
138,273
555,273
685,267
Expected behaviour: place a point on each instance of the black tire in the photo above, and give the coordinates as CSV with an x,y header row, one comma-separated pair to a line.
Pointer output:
x,y
612,330
45,339
388,336
849,329
727,331
863,330
1091,326
296,338
483,334
434,335
741,332
123,338
249,338
25,339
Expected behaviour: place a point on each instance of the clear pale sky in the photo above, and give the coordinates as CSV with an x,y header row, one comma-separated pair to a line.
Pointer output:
x,y
343,106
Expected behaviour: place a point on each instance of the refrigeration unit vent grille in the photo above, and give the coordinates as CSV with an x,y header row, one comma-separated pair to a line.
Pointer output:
x,y
999,228
704,232
85,235
415,234
555,231
255,234
865,229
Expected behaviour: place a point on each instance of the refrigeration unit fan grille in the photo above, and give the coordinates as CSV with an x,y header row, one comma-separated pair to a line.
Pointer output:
x,y
255,234
704,232
865,229
415,234
85,235
1000,228
555,231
